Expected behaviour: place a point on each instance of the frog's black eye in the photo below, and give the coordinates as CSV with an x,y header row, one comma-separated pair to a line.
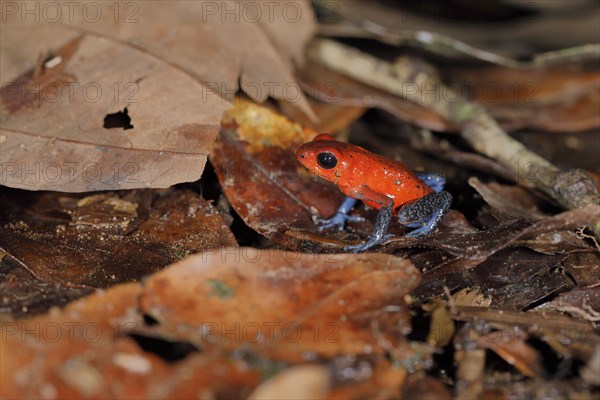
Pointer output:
x,y
326,160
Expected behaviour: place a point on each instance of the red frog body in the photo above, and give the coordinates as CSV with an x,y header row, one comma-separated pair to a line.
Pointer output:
x,y
387,185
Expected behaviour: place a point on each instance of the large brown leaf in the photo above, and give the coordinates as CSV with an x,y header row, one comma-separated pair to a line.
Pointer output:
x,y
162,63
284,303
62,144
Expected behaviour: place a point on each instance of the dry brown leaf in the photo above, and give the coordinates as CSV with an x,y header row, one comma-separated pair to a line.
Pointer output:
x,y
86,351
471,297
441,328
162,63
332,117
554,99
470,369
382,381
218,42
583,267
591,372
513,349
434,28
284,304
575,115
62,145
510,201
582,303
482,244
290,24
518,277
513,278
333,88
569,337
420,387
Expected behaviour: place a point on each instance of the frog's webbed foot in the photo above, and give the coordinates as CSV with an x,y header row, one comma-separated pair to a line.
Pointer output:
x,y
425,213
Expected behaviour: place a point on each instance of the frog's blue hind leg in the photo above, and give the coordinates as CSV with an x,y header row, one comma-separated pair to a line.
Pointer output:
x,y
341,216
379,234
433,180
425,213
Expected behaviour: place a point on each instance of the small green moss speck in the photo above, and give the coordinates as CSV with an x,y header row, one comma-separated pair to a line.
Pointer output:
x,y
265,367
181,254
220,289
466,113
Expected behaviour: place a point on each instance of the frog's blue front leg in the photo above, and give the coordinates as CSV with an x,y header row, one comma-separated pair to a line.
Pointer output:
x,y
425,213
433,180
341,216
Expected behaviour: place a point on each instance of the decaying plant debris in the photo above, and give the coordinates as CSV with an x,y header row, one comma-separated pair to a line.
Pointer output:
x,y
130,276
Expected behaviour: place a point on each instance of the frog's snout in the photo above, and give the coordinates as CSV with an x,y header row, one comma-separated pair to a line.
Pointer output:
x,y
301,153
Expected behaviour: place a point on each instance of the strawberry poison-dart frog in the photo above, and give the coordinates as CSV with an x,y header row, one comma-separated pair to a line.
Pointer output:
x,y
416,198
